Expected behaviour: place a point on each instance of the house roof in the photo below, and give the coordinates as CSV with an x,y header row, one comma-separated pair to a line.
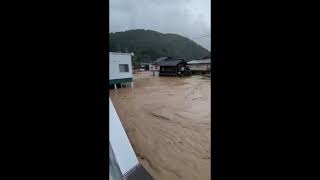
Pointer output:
x,y
170,62
202,61
145,63
160,59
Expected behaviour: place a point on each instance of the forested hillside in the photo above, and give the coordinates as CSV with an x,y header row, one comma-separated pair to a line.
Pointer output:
x,y
148,45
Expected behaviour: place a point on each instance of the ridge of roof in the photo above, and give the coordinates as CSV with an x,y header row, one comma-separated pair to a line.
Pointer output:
x,y
172,62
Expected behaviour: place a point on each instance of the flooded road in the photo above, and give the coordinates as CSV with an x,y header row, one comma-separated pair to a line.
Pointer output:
x,y
167,120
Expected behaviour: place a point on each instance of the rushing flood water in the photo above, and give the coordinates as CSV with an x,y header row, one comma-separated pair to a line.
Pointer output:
x,y
167,120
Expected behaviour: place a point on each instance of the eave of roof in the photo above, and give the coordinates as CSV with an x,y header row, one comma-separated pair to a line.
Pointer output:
x,y
203,61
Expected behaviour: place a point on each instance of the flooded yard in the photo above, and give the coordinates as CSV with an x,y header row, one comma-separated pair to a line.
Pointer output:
x,y
167,120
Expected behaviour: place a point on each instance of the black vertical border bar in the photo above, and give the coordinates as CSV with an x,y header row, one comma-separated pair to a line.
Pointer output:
x,y
217,142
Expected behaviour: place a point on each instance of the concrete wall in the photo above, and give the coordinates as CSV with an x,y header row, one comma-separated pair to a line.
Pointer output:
x,y
115,60
120,143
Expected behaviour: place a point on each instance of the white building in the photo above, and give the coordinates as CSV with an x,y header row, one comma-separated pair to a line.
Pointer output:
x,y
203,65
120,68
154,67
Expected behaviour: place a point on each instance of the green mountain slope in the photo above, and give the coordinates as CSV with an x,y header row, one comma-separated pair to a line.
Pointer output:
x,y
148,45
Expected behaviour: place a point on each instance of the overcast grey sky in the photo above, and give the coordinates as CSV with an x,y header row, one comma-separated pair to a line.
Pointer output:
x,y
189,18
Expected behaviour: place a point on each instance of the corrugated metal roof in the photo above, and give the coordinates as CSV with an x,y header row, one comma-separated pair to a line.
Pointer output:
x,y
202,61
170,63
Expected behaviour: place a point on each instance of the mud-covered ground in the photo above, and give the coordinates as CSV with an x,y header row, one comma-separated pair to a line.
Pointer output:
x,y
167,120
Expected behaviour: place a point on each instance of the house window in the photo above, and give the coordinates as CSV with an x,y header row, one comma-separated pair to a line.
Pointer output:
x,y
124,67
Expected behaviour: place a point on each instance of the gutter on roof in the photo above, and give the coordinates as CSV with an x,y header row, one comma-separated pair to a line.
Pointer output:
x,y
120,53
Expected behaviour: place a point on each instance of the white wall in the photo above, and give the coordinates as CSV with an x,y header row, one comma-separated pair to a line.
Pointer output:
x,y
154,67
199,67
120,143
114,60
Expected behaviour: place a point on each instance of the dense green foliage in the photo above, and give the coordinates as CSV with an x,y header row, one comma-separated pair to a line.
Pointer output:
x,y
148,45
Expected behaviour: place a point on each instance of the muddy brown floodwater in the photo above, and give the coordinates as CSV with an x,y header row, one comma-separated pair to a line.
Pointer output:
x,y
167,120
